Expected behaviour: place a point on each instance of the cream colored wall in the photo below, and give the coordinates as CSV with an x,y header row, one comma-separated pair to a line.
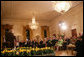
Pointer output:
x,y
18,27
73,16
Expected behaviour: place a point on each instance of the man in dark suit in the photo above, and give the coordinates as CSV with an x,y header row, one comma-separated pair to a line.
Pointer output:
x,y
10,39
53,42
79,47
32,44
41,44
48,43
36,44
67,40
28,43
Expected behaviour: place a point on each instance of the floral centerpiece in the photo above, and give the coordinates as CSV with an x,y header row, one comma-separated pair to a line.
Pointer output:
x,y
27,51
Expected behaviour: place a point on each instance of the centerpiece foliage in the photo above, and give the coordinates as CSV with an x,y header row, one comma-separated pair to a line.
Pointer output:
x,y
27,51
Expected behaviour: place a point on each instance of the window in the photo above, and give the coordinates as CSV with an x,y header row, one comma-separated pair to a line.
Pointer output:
x,y
45,33
28,34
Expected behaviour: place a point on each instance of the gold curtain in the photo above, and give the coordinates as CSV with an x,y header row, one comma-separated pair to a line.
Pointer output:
x,y
2,34
3,27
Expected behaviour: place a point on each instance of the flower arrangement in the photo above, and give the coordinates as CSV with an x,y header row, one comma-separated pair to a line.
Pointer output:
x,y
27,51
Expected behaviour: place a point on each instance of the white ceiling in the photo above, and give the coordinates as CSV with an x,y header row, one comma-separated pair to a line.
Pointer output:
x,y
24,9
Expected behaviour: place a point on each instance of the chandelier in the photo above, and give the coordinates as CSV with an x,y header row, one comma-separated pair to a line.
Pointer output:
x,y
33,25
62,6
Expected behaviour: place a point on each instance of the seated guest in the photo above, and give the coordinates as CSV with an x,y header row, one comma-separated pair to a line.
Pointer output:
x,y
54,35
41,44
54,40
36,44
48,44
44,43
59,43
23,44
64,43
32,44
80,35
67,40
79,47
17,43
28,43
20,44
73,39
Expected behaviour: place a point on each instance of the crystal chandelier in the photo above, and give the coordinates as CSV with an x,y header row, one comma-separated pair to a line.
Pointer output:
x,y
62,6
33,25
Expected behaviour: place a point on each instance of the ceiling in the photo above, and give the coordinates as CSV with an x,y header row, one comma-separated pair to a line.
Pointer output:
x,y
22,10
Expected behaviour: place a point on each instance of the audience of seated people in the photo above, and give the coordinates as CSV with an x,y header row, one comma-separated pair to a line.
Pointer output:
x,y
79,45
39,44
52,41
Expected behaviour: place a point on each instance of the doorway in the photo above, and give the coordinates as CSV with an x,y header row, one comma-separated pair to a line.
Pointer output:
x,y
74,32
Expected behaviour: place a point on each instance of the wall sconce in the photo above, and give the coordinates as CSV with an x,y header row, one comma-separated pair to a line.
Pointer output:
x,y
63,25
74,26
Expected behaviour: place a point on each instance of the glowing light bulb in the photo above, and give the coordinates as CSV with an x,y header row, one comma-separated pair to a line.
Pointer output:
x,y
33,20
62,6
64,27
